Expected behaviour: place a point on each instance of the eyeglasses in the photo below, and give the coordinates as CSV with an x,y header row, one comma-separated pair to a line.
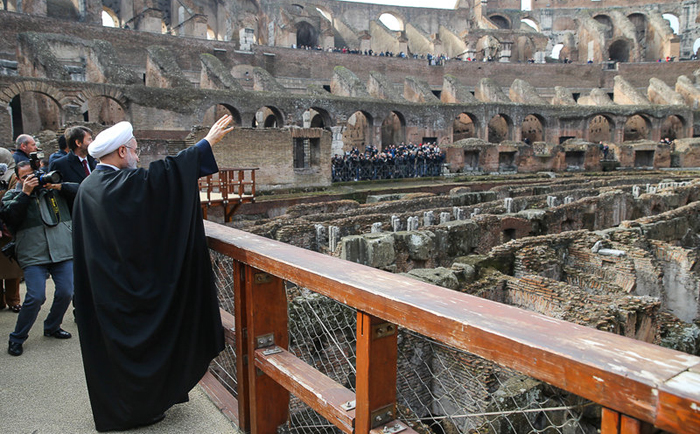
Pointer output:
x,y
137,151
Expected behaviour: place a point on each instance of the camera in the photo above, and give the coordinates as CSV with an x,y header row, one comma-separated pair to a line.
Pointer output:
x,y
53,177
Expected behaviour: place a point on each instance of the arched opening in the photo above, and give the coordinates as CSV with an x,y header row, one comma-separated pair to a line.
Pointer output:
x,y
619,51
393,130
600,129
529,23
109,18
637,127
672,128
316,118
307,35
62,9
500,128
608,28
391,22
214,113
104,111
640,25
533,129
673,22
556,50
500,21
358,131
325,14
464,127
211,36
696,46
268,117
33,112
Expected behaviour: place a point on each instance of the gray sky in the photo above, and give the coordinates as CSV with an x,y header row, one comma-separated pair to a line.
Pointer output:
x,y
437,4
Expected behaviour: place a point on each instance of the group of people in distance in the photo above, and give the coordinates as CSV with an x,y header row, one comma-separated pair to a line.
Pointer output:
x,y
396,161
145,300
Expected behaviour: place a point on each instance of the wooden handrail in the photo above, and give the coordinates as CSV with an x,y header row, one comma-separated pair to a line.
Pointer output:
x,y
647,382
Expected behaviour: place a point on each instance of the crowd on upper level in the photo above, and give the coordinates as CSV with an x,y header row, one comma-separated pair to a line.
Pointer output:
x,y
396,161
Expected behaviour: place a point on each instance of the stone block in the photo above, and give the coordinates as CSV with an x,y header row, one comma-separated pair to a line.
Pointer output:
x,y
458,237
375,250
437,276
420,244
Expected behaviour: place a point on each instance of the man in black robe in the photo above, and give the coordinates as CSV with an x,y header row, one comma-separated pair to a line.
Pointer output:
x,y
146,304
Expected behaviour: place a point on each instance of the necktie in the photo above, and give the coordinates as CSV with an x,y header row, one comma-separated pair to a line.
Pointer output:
x,y
85,167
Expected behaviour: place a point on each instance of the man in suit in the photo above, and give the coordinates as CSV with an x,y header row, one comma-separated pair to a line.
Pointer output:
x,y
77,165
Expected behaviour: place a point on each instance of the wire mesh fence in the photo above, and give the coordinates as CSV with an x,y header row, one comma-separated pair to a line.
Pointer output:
x,y
440,389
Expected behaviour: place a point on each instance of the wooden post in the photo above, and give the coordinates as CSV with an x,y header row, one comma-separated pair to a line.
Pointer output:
x,y
375,384
266,316
242,363
610,423
616,423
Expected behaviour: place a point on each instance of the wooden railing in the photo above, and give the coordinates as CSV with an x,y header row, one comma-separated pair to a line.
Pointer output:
x,y
228,188
637,384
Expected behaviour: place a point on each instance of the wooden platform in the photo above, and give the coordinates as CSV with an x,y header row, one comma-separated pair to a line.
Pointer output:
x,y
229,188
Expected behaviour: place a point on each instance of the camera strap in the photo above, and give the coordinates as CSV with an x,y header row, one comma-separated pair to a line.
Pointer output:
x,y
48,208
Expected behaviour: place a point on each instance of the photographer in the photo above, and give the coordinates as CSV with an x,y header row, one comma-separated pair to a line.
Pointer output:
x,y
38,215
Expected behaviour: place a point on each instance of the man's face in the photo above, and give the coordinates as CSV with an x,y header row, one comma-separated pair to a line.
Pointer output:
x,y
24,172
85,143
29,147
132,154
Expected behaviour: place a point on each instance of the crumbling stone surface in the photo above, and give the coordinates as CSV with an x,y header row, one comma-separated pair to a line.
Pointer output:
x,y
264,81
163,71
417,90
215,75
489,91
596,97
625,94
380,87
455,92
661,93
563,96
346,83
688,91
437,276
524,93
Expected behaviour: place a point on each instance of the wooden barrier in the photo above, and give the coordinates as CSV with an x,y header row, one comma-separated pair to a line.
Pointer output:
x,y
637,383
228,188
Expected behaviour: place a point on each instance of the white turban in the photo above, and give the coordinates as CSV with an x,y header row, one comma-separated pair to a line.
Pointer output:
x,y
110,139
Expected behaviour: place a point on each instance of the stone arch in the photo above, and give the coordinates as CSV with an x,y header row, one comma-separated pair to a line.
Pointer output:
x,y
530,22
268,117
215,112
673,127
316,117
465,126
620,50
40,109
601,128
524,49
696,47
500,128
533,128
673,21
307,34
392,21
325,12
607,22
637,127
640,25
500,21
393,129
107,15
358,130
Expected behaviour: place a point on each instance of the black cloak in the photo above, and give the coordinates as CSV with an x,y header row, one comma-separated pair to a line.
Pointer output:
x,y
145,299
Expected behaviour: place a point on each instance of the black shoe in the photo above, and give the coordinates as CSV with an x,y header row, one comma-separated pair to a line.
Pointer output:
x,y
58,334
15,349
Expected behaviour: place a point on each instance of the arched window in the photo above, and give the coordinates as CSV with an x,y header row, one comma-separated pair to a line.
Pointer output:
x,y
109,18
391,22
673,22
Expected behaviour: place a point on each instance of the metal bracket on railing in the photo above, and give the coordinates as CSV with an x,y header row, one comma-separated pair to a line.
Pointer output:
x,y
383,330
271,351
393,428
381,416
265,341
350,405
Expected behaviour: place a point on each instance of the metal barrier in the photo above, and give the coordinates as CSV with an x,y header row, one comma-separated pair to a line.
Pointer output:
x,y
363,350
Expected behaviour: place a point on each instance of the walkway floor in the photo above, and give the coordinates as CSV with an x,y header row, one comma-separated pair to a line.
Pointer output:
x,y
44,392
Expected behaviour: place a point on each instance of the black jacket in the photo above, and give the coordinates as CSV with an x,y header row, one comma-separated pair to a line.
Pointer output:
x,y
70,167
